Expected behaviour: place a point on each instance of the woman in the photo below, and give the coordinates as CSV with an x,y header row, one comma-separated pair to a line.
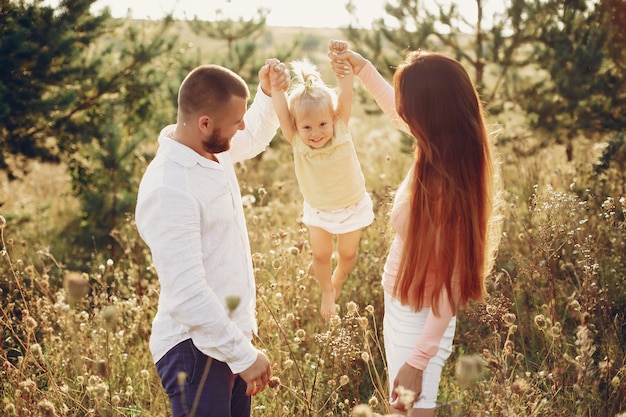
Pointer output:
x,y
443,215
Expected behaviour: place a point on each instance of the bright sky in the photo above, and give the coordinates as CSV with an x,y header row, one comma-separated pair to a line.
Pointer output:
x,y
309,13
305,13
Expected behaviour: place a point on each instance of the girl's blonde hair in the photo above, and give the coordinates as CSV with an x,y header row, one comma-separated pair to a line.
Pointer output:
x,y
309,92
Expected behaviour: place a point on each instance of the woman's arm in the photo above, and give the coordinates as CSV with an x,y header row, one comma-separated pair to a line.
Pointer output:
x,y
350,61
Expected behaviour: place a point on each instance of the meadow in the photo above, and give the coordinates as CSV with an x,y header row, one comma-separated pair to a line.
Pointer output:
x,y
549,340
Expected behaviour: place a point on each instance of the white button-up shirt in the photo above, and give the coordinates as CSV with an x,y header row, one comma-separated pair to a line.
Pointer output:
x,y
189,213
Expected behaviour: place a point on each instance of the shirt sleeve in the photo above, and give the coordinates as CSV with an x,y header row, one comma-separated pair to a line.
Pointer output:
x,y
169,222
383,93
261,125
427,344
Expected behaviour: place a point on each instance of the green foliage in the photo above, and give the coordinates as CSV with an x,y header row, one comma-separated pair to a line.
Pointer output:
x,y
41,75
585,90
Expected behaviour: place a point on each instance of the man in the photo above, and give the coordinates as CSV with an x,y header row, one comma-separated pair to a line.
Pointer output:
x,y
189,213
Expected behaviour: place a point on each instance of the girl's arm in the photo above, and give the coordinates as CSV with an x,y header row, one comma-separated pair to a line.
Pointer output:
x,y
279,99
345,84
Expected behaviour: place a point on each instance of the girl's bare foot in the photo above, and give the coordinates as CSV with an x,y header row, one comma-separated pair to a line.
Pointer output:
x,y
327,308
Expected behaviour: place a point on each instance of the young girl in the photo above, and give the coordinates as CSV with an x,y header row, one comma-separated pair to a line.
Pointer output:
x,y
314,120
445,215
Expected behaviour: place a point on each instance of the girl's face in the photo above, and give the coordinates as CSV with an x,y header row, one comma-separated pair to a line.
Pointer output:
x,y
315,127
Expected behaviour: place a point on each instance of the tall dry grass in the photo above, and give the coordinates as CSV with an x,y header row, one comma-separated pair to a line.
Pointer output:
x,y
550,340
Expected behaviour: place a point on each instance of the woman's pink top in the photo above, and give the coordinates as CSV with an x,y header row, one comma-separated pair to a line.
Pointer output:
x,y
427,344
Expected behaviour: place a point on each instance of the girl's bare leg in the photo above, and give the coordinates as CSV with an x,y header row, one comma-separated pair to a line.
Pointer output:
x,y
347,246
322,247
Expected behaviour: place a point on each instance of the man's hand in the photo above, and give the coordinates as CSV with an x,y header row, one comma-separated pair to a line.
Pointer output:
x,y
273,73
257,375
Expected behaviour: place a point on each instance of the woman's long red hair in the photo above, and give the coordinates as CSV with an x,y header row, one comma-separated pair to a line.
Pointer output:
x,y
452,188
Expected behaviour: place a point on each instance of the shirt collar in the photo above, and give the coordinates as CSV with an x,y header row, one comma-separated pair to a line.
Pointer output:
x,y
179,153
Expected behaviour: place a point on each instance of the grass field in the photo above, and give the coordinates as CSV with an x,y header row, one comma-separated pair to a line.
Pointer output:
x,y
549,341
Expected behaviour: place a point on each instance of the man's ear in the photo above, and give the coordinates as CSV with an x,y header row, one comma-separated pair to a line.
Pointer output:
x,y
205,124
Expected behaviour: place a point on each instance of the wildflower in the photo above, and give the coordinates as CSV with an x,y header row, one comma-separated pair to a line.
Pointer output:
x,y
101,368
370,309
274,382
362,410
144,374
343,380
406,397
181,378
75,285
109,262
35,349
232,302
109,315
491,310
363,322
615,382
293,250
262,192
3,222
509,319
288,363
30,323
46,408
520,386
469,369
556,330
365,356
540,321
352,308
373,402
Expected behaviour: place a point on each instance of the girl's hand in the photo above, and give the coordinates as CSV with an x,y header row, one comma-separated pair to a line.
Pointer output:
x,y
279,77
343,59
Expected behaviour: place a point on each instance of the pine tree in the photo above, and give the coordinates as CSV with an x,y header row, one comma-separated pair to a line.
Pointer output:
x,y
585,88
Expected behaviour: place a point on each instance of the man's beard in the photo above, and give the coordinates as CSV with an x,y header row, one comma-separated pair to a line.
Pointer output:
x,y
216,143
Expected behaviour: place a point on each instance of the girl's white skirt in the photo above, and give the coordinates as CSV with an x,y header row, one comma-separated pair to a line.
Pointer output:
x,y
402,327
337,222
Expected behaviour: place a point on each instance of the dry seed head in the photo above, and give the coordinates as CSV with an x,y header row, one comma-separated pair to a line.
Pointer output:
x,y
232,302
540,322
352,308
46,408
373,401
362,410
406,397
75,285
509,319
274,382
35,349
109,315
181,378
343,380
3,222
